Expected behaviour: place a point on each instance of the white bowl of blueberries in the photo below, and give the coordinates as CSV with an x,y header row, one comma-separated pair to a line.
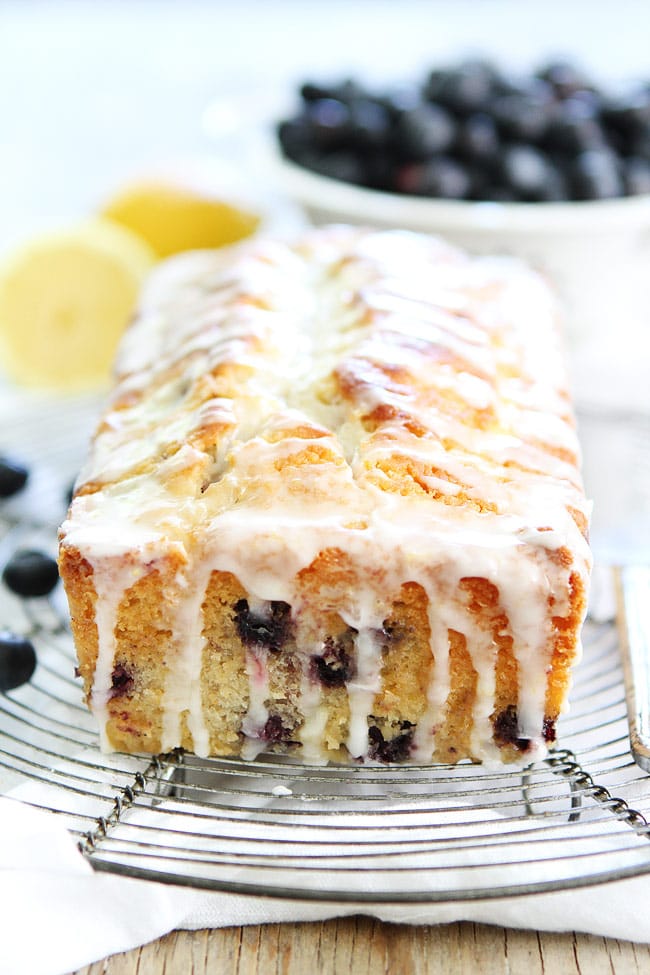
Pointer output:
x,y
550,167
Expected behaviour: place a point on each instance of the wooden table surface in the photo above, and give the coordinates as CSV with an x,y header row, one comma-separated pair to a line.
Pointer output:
x,y
362,945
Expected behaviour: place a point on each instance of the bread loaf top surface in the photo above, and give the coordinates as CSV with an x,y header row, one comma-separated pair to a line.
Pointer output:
x,y
369,364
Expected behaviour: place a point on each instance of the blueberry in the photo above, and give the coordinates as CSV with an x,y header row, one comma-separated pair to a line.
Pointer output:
x,y
629,114
564,77
121,681
548,732
329,123
481,185
596,175
294,136
343,165
495,194
13,477
506,729
478,138
443,177
423,131
17,660
380,170
349,91
274,730
344,91
510,84
392,750
369,124
271,631
464,89
312,91
557,188
334,668
526,171
641,144
30,573
392,632
435,84
589,98
637,175
575,127
522,117
400,100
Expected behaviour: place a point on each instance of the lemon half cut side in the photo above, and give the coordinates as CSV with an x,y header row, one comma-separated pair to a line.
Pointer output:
x,y
65,299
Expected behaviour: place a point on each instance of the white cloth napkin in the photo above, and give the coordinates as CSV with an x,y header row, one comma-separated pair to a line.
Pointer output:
x,y
58,914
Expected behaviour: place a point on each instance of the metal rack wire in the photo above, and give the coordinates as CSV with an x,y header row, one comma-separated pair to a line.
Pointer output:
x,y
362,834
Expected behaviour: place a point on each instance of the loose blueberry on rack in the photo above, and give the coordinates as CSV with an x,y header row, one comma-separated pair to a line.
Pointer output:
x,y
17,660
31,573
13,477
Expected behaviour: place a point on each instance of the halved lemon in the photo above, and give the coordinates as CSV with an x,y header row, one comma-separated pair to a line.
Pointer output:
x,y
65,299
172,216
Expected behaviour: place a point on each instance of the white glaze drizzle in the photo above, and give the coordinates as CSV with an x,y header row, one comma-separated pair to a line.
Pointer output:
x,y
258,694
366,681
315,716
111,580
360,306
439,685
183,679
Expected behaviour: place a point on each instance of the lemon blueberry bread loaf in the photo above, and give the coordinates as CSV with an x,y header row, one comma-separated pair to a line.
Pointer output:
x,y
333,508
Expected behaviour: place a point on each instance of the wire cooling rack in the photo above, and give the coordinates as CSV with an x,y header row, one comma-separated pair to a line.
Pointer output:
x,y
278,828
